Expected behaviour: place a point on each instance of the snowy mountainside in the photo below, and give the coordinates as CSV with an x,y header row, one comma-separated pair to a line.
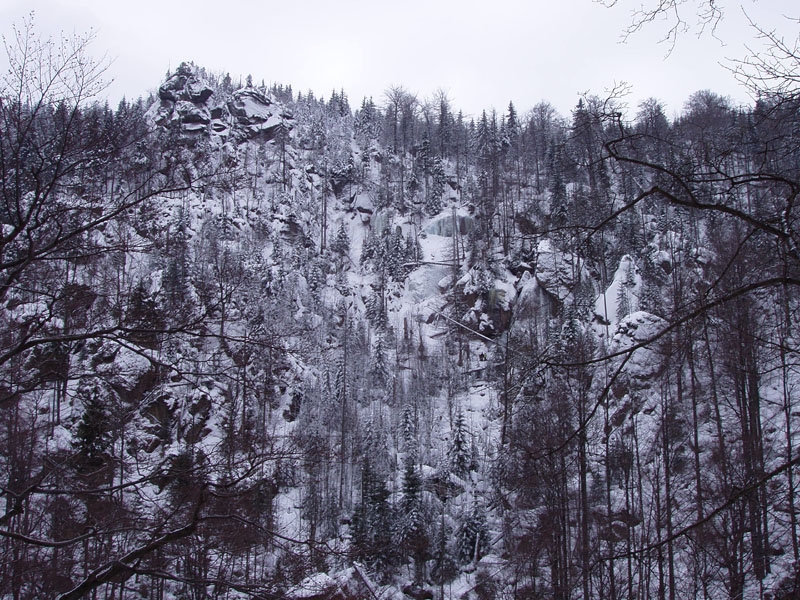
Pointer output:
x,y
391,353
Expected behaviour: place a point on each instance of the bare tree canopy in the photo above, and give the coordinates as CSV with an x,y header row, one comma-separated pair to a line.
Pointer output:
x,y
772,61
678,16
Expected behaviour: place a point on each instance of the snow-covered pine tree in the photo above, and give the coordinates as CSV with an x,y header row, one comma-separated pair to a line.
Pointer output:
x,y
472,537
378,365
409,433
341,243
372,522
93,433
411,533
459,453
376,308
433,201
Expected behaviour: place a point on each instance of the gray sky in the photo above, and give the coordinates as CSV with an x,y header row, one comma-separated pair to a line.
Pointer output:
x,y
482,53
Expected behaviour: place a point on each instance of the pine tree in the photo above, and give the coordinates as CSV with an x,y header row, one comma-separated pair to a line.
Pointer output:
x,y
424,155
459,453
623,298
315,277
176,276
92,436
413,249
411,535
512,123
433,203
376,310
372,523
627,302
472,537
367,125
444,126
412,488
444,569
484,139
412,187
378,368
394,255
341,244
144,317
557,184
409,434
344,104
370,250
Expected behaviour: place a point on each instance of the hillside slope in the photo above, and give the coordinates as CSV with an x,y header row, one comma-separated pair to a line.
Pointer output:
x,y
265,346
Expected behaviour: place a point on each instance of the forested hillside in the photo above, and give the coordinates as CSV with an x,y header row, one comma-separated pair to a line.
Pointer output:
x,y
260,344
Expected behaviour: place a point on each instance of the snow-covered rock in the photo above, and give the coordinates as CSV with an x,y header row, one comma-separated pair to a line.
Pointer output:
x,y
183,101
634,330
186,102
364,206
556,271
349,583
185,85
256,114
533,302
621,297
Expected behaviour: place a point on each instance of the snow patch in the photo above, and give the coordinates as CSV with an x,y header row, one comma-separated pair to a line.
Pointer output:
x,y
556,271
637,328
621,297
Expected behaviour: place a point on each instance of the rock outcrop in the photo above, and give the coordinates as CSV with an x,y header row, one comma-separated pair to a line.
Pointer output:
x,y
187,102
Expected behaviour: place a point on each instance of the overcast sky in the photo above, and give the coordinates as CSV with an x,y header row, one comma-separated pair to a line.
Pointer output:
x,y
482,53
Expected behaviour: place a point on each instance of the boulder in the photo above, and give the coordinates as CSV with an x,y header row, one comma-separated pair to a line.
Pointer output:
x,y
364,206
250,106
255,114
184,98
171,88
197,91
647,361
418,593
188,112
557,272
185,85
